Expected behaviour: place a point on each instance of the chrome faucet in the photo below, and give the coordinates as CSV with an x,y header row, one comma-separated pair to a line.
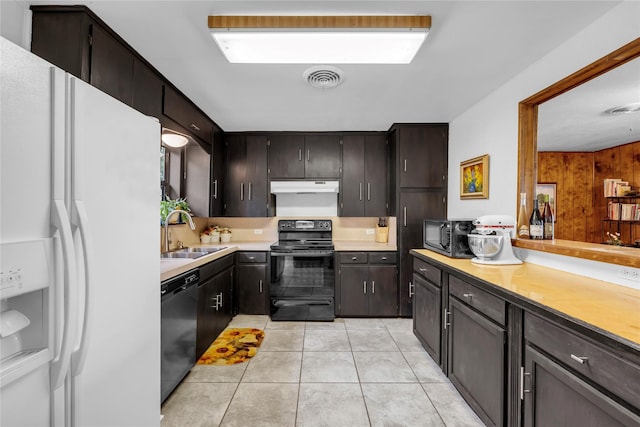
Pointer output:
x,y
166,226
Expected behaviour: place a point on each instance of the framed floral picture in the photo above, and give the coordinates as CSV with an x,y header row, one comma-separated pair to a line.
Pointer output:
x,y
474,178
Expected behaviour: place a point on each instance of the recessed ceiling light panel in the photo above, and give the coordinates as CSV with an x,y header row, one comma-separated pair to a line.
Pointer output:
x,y
320,39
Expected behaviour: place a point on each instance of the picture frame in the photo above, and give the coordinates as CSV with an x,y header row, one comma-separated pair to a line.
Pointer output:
x,y
550,189
474,178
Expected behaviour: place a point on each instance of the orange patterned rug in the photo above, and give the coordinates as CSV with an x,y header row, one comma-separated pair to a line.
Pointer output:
x,y
234,345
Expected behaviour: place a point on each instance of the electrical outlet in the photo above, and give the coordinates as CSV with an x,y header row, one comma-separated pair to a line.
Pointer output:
x,y
371,231
630,274
257,231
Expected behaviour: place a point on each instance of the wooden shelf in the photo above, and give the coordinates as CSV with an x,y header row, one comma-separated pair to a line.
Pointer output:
x,y
592,251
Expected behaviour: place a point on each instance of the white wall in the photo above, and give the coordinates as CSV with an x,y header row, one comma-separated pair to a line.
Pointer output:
x,y
491,126
15,23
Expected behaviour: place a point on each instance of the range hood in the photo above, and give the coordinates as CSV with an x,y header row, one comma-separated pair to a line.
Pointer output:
x,y
304,187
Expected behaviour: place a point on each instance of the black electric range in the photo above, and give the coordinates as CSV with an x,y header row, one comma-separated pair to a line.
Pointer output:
x,y
302,271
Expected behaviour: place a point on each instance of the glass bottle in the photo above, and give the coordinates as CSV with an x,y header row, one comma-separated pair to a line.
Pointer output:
x,y
536,223
548,232
522,229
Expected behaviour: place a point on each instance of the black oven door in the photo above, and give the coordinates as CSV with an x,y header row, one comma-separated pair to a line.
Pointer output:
x,y
302,286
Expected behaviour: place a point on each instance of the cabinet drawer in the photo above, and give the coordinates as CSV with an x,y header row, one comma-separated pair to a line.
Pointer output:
x,y
489,305
214,267
614,373
427,271
353,258
383,257
250,257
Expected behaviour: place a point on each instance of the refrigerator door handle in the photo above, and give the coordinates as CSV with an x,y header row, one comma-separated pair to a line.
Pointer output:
x,y
60,366
79,354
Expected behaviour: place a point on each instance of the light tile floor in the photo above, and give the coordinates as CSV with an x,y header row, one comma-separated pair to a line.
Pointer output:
x,y
352,372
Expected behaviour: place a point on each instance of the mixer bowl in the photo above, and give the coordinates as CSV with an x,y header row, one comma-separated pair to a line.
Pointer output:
x,y
485,246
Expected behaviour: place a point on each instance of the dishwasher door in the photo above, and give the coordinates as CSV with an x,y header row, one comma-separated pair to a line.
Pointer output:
x,y
178,330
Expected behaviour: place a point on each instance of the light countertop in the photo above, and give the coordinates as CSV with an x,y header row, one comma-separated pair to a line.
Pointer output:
x,y
350,245
606,306
172,267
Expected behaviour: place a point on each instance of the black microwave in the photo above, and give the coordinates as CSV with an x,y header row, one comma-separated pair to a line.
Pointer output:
x,y
448,236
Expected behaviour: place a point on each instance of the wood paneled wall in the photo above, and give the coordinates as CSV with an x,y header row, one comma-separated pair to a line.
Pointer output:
x,y
579,178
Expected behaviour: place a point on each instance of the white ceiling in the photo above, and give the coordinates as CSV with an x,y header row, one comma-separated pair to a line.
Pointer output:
x,y
577,120
473,48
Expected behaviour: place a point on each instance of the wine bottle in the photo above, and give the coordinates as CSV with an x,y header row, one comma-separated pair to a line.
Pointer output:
x,y
536,223
522,229
548,232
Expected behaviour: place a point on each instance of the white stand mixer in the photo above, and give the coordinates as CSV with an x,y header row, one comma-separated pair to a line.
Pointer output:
x,y
491,240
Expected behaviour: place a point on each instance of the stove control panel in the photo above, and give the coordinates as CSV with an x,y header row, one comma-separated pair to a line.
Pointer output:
x,y
304,225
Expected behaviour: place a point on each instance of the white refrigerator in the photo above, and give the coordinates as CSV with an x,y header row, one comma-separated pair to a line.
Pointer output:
x,y
79,240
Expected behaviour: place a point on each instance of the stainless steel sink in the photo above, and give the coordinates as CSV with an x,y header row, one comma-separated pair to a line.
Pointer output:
x,y
191,253
208,250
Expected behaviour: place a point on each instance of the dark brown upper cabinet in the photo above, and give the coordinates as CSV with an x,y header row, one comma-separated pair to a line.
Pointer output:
x,y
76,41
422,156
111,65
147,89
364,176
246,178
286,156
178,108
304,156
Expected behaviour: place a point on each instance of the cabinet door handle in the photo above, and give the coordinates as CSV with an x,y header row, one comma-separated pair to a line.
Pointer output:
x,y
470,296
411,292
404,209
260,286
444,321
364,287
373,286
522,389
580,359
354,258
422,270
384,258
368,191
405,165
194,127
308,155
220,299
249,191
299,154
242,191
215,188
360,190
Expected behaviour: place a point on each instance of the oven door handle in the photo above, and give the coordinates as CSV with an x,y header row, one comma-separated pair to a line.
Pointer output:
x,y
303,254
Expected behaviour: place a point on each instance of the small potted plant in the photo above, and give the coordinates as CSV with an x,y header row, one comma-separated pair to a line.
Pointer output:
x,y
168,205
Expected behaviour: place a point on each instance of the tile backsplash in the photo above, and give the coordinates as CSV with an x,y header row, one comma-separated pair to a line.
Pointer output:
x,y
266,229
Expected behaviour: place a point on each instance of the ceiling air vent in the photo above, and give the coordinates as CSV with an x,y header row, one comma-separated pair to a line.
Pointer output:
x,y
323,76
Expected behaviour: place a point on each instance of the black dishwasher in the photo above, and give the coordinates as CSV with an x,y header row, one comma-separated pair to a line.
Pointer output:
x,y
179,297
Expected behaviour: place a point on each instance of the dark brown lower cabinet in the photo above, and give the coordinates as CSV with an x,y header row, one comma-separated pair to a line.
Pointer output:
x,y
476,361
215,302
531,366
427,316
252,283
554,396
367,284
